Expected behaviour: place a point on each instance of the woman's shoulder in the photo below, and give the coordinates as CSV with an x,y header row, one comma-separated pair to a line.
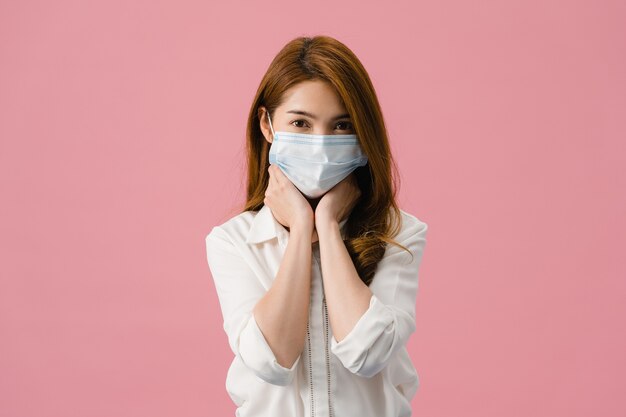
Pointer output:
x,y
411,235
411,225
236,227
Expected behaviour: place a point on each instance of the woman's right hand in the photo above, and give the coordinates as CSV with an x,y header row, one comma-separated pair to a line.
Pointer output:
x,y
288,205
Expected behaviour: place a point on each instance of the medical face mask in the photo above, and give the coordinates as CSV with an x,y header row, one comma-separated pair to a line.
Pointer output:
x,y
315,163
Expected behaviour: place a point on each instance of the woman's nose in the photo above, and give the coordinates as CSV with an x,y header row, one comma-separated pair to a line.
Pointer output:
x,y
323,131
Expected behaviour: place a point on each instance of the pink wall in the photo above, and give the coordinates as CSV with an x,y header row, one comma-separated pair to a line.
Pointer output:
x,y
121,145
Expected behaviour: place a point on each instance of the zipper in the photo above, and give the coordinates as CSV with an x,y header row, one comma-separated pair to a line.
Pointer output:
x,y
326,336
308,336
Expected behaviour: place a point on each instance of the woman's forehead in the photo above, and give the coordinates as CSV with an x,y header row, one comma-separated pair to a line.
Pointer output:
x,y
317,98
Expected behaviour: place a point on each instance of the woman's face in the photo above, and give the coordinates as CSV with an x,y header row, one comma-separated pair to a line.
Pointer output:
x,y
312,107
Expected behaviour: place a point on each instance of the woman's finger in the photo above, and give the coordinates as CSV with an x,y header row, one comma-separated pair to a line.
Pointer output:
x,y
271,171
279,174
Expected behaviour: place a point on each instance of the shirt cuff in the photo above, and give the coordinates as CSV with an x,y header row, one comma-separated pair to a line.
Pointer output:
x,y
257,355
353,349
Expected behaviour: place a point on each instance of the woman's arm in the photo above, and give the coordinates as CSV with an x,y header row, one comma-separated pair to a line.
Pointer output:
x,y
347,296
280,309
369,329
283,312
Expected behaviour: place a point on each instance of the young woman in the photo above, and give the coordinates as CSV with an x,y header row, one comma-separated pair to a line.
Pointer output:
x,y
317,276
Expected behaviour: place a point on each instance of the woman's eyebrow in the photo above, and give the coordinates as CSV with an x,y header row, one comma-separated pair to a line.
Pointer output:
x,y
304,113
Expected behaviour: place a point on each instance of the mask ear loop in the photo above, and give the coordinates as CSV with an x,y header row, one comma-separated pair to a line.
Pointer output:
x,y
271,127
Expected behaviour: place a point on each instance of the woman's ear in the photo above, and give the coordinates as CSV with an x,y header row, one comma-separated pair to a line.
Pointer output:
x,y
264,124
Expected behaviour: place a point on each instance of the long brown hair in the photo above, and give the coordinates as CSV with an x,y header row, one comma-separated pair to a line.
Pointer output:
x,y
375,219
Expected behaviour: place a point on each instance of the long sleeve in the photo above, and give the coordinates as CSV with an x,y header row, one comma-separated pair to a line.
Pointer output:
x,y
239,290
387,324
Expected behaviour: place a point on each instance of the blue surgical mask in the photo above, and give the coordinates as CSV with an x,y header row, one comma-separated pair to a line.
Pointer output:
x,y
315,163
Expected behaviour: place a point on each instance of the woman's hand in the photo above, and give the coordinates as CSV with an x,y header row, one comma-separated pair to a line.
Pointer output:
x,y
288,205
338,202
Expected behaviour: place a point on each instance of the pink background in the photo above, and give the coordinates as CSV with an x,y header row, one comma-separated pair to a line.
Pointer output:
x,y
122,128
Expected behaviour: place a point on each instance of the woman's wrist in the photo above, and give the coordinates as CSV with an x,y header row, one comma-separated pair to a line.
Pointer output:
x,y
303,225
326,225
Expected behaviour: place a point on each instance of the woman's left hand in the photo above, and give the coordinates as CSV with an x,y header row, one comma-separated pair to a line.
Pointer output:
x,y
338,202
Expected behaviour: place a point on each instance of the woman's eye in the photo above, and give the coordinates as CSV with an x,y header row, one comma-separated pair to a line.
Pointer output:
x,y
348,124
298,121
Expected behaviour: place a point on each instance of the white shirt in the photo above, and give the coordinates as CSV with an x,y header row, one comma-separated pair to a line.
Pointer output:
x,y
368,373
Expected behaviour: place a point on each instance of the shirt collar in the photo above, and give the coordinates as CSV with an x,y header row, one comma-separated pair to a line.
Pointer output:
x,y
265,227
